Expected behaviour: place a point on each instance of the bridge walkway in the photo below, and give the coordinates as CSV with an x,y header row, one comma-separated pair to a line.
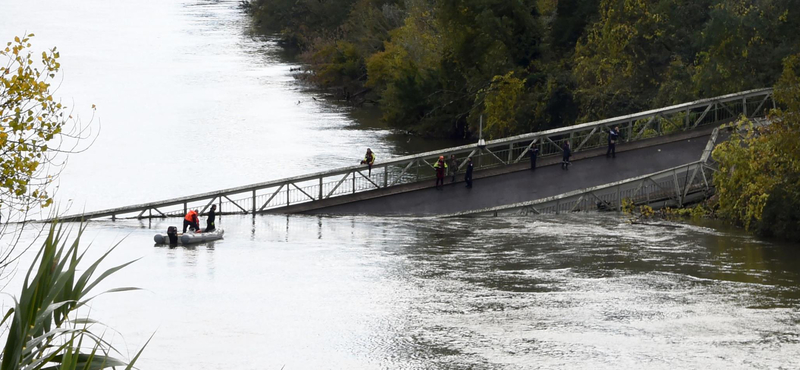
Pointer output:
x,y
520,184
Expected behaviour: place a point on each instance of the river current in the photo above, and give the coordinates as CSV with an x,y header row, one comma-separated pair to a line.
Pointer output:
x,y
190,100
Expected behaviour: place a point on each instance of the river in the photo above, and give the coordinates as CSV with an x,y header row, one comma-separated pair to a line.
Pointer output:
x,y
189,100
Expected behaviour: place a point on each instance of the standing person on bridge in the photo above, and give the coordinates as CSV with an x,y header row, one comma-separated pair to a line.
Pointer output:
x,y
191,220
440,167
613,136
369,159
468,174
565,158
212,216
453,166
533,152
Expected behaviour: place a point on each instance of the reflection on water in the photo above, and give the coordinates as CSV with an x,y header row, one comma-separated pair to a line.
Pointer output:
x,y
190,100
574,291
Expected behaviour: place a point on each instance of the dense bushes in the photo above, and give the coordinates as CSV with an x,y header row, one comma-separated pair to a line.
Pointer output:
x,y
781,215
759,167
435,66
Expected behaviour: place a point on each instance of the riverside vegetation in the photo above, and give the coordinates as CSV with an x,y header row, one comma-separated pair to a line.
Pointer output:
x,y
758,182
435,66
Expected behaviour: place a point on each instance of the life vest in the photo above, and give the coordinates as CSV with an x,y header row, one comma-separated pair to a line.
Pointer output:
x,y
191,216
440,167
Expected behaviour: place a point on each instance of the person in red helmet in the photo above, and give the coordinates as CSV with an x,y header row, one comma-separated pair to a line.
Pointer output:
x,y
440,167
191,220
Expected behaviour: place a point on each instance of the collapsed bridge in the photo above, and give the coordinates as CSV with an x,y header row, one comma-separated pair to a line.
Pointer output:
x,y
663,156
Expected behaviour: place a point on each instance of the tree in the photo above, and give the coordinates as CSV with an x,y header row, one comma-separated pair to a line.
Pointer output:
x,y
635,50
757,182
502,102
36,130
742,45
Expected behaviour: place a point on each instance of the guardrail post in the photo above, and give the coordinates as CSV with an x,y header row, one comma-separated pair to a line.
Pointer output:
x,y
320,189
254,202
287,194
386,176
716,110
510,153
619,200
354,182
744,106
185,209
686,120
677,188
629,135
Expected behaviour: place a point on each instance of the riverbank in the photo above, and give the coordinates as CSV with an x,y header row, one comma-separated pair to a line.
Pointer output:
x,y
435,68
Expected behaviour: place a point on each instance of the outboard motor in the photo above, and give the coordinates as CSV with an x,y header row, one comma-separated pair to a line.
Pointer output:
x,y
172,233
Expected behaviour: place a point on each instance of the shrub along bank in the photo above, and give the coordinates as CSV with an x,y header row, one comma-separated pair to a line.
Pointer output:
x,y
758,182
436,66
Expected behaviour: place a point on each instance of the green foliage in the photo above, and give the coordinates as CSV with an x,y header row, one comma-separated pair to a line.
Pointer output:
x,y
628,207
36,130
760,161
301,21
31,124
502,101
338,64
630,53
431,63
781,214
742,45
45,329
742,188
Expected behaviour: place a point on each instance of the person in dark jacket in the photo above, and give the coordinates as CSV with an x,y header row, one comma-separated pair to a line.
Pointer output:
x,y
468,174
440,167
453,167
533,152
212,216
565,159
191,220
613,136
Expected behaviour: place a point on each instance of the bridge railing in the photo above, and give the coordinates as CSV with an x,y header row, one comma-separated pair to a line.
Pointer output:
x,y
671,187
315,187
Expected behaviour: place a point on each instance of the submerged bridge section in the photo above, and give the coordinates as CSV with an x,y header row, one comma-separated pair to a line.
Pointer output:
x,y
654,141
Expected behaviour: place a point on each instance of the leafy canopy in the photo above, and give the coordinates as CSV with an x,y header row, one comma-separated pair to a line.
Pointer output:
x,y
759,161
34,127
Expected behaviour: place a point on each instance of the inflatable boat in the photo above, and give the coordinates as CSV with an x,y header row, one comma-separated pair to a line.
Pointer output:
x,y
174,237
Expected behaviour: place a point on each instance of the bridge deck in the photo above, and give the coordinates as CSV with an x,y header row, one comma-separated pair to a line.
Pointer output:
x,y
401,186
520,186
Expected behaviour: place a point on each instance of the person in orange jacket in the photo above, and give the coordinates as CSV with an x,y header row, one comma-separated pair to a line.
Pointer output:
x,y
191,220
